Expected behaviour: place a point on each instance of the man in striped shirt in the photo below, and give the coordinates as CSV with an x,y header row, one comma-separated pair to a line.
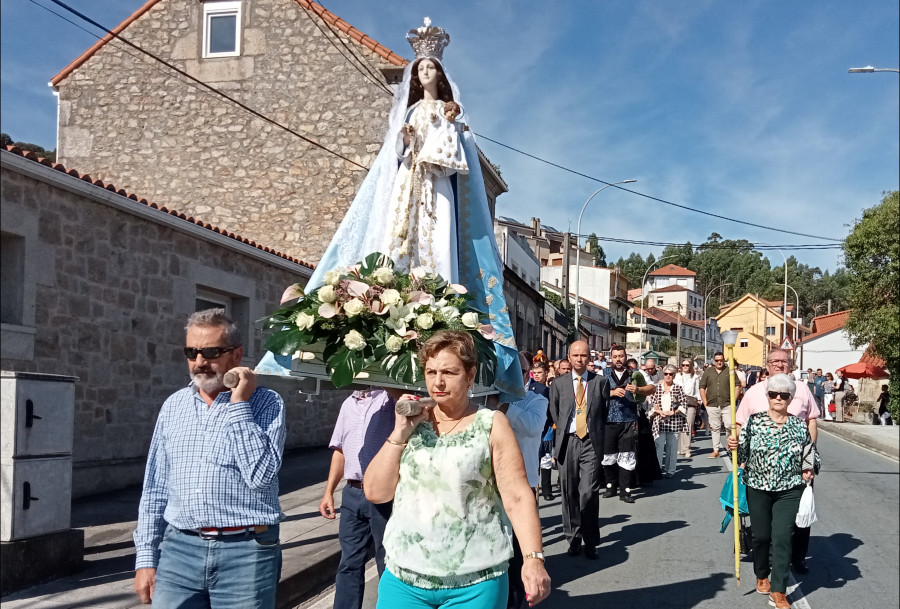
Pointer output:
x,y
207,532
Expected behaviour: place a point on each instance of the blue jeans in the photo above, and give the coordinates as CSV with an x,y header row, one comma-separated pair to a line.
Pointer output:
x,y
490,594
361,525
667,445
229,571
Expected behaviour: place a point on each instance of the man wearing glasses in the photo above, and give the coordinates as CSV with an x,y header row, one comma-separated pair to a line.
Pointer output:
x,y
207,532
804,406
715,393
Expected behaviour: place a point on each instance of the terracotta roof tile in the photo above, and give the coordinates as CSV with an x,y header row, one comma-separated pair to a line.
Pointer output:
x,y
670,288
833,321
673,270
323,13
87,178
635,293
870,357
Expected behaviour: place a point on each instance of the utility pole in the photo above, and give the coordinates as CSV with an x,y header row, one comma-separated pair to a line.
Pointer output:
x,y
765,333
678,333
566,261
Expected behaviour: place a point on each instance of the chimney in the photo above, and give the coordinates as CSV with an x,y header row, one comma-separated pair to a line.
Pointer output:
x,y
536,226
829,306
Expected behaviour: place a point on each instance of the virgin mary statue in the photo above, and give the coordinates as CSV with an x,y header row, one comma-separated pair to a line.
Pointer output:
x,y
423,202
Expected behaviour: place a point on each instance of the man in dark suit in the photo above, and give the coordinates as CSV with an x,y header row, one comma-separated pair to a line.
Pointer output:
x,y
577,403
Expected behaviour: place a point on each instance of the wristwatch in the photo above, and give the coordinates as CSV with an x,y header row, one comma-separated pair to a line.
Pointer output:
x,y
538,555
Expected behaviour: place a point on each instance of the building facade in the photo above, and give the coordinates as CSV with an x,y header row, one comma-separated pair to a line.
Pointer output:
x,y
760,327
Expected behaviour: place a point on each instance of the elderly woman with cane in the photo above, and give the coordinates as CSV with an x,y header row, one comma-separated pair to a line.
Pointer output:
x,y
780,459
457,479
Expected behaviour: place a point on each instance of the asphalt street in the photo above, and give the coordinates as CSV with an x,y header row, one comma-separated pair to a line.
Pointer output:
x,y
665,551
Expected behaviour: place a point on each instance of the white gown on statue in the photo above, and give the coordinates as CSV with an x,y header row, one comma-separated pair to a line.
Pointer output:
x,y
420,229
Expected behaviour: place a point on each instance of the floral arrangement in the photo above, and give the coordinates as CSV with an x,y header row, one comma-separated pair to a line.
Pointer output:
x,y
370,317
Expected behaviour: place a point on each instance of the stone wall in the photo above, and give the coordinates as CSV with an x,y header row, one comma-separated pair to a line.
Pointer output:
x,y
131,121
111,293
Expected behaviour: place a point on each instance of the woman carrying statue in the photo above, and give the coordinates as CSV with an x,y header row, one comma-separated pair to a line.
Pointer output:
x,y
423,202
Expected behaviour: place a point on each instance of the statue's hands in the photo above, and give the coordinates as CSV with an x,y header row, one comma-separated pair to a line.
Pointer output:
x,y
451,111
409,132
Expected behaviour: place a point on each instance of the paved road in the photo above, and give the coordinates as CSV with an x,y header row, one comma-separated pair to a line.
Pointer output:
x,y
665,551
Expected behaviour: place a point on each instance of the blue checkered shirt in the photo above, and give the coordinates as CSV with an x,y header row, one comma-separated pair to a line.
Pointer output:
x,y
210,466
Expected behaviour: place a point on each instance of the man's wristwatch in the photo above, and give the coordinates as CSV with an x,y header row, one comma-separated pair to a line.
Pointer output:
x,y
538,555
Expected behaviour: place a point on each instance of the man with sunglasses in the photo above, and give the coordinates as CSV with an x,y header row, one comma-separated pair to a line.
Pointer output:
x,y
803,406
207,532
715,393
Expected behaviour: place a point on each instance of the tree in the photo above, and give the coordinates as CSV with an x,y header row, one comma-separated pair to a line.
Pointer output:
x,y
6,140
633,267
596,251
667,346
872,257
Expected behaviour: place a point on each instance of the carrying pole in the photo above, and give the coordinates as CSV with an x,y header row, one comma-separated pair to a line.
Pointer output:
x,y
734,467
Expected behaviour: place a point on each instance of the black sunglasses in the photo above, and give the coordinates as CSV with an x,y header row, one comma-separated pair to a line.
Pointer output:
x,y
207,352
784,395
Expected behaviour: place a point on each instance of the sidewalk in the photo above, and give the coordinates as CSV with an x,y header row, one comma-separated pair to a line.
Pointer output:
x,y
883,439
309,544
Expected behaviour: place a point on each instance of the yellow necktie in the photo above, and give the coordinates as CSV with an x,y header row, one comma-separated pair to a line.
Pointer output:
x,y
580,411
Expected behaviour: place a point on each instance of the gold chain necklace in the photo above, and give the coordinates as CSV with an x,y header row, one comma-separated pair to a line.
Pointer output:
x,y
465,414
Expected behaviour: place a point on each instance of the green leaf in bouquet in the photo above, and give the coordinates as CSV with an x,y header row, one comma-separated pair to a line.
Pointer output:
x,y
403,367
345,365
487,360
286,342
374,261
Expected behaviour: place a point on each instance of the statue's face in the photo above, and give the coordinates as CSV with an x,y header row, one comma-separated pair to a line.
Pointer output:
x,y
428,73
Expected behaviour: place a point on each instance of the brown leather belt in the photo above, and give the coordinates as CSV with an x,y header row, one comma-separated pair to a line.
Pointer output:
x,y
355,484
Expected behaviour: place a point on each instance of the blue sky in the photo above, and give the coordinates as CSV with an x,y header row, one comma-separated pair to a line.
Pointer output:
x,y
744,109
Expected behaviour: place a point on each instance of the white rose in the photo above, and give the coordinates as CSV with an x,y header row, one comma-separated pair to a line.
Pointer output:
x,y
354,340
470,319
425,320
383,275
332,277
354,307
449,313
390,297
326,294
304,321
393,343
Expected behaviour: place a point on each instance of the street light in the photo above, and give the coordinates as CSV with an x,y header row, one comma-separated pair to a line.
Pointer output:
x,y
798,307
706,320
644,305
784,307
578,251
870,69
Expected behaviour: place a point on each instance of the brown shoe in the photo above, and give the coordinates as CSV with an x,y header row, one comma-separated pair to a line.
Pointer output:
x,y
714,455
763,586
779,601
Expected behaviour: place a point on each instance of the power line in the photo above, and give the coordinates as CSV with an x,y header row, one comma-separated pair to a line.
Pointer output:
x,y
204,85
652,198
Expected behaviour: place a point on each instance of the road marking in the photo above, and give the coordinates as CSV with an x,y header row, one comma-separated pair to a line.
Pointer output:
x,y
793,587
327,600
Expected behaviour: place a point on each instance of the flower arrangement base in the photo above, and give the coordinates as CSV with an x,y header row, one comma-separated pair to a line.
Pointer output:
x,y
309,364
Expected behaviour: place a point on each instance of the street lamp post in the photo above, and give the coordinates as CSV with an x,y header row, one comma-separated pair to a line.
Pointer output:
x,y
784,306
797,298
578,252
870,69
644,305
706,320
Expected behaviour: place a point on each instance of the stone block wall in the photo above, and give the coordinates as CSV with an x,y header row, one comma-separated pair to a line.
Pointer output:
x,y
131,121
112,292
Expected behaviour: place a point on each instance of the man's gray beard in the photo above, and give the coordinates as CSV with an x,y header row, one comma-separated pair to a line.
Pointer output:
x,y
208,383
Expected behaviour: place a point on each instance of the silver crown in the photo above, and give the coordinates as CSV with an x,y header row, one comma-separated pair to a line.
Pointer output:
x,y
428,41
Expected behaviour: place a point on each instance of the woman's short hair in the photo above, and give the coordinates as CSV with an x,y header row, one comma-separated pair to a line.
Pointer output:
x,y
461,344
782,382
670,368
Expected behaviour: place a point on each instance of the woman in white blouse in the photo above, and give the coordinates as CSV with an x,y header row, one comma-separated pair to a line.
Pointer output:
x,y
689,382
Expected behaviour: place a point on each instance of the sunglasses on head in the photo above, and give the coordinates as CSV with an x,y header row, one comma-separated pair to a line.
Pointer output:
x,y
207,352
784,395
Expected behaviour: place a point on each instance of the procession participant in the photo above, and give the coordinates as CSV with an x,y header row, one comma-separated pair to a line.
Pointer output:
x,y
803,406
526,418
365,420
690,385
779,458
668,420
840,390
577,404
456,476
207,530
715,393
627,391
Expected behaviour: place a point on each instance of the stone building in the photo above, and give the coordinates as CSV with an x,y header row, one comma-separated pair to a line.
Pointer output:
x,y
97,284
128,119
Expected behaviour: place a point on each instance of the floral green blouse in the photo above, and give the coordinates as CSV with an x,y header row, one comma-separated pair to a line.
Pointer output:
x,y
776,456
448,528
